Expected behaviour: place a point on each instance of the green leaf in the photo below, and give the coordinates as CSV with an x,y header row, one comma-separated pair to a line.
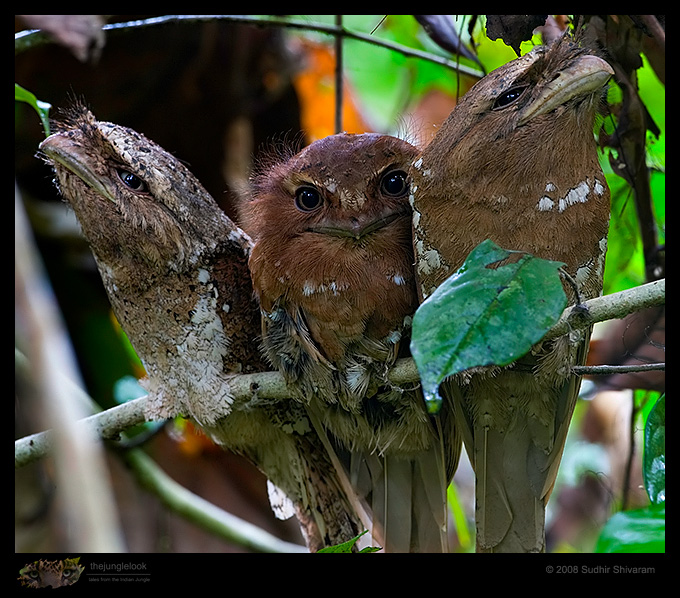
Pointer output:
x,y
465,539
644,530
640,530
490,312
42,108
347,546
654,465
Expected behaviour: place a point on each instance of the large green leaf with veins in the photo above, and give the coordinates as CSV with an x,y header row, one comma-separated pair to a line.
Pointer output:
x,y
490,312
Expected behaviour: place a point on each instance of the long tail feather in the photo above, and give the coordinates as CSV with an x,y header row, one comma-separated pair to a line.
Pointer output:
x,y
514,429
401,499
407,499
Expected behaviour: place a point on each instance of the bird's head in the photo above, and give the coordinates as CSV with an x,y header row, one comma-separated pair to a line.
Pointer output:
x,y
341,191
334,220
516,162
131,197
544,84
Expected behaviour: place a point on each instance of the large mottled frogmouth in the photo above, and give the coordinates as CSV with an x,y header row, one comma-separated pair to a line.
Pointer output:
x,y
176,272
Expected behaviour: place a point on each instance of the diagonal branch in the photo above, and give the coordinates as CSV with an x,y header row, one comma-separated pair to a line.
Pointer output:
x,y
609,307
108,425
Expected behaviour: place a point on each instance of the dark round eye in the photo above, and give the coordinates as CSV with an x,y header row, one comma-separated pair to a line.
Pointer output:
x,y
308,199
131,180
508,97
394,183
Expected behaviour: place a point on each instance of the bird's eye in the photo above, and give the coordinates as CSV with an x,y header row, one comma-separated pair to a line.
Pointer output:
x,y
394,183
508,97
308,199
132,181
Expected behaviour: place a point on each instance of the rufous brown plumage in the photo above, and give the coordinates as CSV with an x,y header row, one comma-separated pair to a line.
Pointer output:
x,y
332,267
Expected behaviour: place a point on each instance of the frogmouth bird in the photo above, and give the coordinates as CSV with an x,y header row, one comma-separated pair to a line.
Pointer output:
x,y
175,270
332,268
516,162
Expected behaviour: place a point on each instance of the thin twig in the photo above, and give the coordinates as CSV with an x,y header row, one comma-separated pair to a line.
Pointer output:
x,y
628,469
606,370
338,76
25,40
378,25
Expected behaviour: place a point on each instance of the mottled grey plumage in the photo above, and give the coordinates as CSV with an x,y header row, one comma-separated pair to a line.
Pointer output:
x,y
175,270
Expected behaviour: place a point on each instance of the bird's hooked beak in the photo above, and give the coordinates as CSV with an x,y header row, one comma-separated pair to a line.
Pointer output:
x,y
586,75
67,152
357,227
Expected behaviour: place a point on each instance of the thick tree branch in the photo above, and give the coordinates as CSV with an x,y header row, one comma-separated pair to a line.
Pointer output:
x,y
106,424
271,385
